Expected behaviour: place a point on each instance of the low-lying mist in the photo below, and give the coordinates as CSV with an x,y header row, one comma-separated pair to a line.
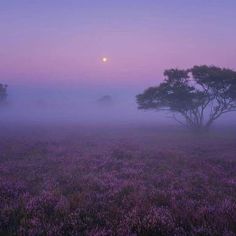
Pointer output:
x,y
81,106
71,106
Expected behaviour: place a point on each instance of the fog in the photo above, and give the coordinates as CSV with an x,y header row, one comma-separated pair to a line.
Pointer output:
x,y
71,105
82,106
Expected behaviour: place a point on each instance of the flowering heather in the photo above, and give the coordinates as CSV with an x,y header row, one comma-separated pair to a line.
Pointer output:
x,y
117,181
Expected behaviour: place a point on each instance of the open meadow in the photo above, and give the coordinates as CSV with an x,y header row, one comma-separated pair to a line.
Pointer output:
x,y
122,180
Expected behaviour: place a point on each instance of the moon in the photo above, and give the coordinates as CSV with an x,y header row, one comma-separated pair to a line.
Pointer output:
x,y
104,59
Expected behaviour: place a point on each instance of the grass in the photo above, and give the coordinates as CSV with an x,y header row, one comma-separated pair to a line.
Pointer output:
x,y
116,181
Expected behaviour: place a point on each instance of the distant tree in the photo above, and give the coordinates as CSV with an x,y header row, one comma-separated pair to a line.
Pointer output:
x,y
196,97
105,100
3,93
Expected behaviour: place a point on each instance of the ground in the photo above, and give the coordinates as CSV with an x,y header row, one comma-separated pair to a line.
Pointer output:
x,y
139,180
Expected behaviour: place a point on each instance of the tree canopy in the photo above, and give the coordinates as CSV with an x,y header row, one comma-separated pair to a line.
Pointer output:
x,y
196,96
3,92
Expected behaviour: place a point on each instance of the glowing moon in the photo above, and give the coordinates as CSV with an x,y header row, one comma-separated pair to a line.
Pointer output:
x,y
104,59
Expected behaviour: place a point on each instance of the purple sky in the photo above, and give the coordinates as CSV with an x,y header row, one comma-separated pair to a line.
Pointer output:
x,y
61,42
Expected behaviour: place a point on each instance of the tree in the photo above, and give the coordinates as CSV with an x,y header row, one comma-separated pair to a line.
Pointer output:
x,y
196,97
3,93
105,100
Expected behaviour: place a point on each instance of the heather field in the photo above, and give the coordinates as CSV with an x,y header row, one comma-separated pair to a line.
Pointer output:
x,y
124,181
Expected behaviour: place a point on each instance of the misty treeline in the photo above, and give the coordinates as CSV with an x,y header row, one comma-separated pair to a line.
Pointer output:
x,y
196,97
3,92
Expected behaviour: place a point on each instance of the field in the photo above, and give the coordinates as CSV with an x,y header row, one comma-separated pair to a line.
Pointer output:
x,y
123,181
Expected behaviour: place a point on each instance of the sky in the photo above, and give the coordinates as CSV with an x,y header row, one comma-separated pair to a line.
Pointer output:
x,y
60,43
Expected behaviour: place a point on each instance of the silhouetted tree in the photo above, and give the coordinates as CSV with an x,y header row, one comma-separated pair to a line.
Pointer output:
x,y
198,95
3,93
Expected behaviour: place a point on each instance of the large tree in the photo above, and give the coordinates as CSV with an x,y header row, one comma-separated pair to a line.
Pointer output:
x,y
196,97
3,92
